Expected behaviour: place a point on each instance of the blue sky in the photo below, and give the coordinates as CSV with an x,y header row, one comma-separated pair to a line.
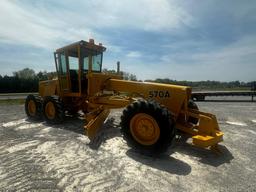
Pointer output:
x,y
182,39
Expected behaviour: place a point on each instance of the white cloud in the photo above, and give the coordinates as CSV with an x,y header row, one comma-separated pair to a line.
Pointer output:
x,y
40,29
234,61
19,26
50,24
40,25
134,54
236,52
149,15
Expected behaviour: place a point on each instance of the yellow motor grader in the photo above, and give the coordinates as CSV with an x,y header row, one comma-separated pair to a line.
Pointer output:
x,y
152,111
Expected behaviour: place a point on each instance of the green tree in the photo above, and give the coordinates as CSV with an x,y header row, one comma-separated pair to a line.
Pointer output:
x,y
25,73
109,71
132,77
42,75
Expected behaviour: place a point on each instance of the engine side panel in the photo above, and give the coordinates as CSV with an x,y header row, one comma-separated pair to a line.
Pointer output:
x,y
171,96
49,87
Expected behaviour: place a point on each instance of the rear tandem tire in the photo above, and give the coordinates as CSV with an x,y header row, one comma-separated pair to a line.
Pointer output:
x,y
53,110
148,127
33,107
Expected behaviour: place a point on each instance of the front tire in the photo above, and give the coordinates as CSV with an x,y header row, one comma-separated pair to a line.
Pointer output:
x,y
53,110
148,127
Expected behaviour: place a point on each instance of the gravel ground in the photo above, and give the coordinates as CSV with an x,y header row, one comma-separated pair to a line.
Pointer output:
x,y
37,157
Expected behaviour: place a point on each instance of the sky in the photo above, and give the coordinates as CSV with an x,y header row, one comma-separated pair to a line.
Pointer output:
x,y
176,39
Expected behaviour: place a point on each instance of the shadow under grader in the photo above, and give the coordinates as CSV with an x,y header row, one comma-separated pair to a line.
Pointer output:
x,y
76,124
162,162
73,123
108,130
205,156
165,162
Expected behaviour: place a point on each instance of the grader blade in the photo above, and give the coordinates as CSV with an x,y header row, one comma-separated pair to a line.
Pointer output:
x,y
95,123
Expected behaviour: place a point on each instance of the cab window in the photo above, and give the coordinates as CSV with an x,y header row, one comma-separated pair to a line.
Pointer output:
x,y
96,62
63,65
94,56
73,63
85,63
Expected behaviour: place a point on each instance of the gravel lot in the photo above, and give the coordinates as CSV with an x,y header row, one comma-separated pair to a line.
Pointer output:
x,y
37,157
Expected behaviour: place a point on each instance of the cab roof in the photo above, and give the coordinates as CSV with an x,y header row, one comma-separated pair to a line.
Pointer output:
x,y
83,44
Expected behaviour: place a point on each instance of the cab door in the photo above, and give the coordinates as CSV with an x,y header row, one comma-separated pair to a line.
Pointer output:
x,y
62,68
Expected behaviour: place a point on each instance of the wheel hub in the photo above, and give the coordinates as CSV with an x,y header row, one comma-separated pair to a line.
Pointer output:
x,y
50,110
144,129
32,108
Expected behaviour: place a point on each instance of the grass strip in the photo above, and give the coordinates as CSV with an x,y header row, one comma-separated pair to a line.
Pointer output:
x,y
12,101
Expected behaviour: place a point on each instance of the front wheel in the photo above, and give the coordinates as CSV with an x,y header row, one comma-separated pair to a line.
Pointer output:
x,y
147,127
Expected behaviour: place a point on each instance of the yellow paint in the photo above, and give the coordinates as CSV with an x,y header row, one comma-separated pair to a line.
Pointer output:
x,y
144,129
48,88
99,92
94,124
177,94
32,108
50,110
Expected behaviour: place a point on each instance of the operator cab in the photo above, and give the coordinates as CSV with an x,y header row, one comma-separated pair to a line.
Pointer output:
x,y
73,64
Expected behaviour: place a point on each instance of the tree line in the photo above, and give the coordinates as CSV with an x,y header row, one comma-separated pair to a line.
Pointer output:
x,y
27,80
210,85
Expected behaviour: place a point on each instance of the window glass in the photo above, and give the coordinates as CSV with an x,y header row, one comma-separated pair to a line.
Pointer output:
x,y
85,59
95,57
73,63
85,63
96,62
57,62
63,64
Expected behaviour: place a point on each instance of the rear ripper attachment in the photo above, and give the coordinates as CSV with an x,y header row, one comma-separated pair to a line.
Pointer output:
x,y
203,127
